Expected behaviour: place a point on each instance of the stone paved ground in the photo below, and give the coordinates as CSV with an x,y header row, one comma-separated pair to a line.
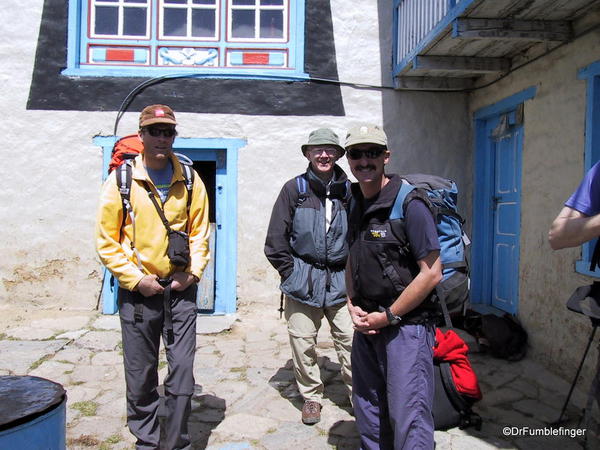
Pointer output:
x,y
246,396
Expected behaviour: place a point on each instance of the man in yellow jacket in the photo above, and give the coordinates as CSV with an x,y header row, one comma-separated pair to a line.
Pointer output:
x,y
155,242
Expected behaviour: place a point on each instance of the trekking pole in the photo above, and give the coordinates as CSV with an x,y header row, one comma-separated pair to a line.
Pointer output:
x,y
587,349
280,306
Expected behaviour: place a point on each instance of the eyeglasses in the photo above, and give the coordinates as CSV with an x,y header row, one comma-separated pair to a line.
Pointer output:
x,y
371,153
330,151
166,132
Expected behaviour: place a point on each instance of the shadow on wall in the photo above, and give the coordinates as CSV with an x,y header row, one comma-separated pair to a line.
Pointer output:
x,y
428,132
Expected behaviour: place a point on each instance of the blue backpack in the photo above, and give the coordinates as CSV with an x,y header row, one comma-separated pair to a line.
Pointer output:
x,y
441,196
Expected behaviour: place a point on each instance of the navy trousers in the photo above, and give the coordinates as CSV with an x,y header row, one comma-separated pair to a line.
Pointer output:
x,y
141,343
393,381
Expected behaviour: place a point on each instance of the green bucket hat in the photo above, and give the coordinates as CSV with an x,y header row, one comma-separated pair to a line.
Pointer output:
x,y
323,136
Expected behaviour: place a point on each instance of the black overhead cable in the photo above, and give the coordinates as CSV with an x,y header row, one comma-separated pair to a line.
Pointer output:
x,y
139,88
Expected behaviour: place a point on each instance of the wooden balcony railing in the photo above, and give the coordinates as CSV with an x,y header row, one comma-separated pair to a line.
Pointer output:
x,y
415,19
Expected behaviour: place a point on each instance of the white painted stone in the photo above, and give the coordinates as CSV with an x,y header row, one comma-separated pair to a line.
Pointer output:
x,y
100,340
72,335
18,356
107,359
245,426
107,322
80,394
30,333
100,428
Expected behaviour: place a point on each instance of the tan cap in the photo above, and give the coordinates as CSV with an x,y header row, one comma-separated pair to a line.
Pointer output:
x,y
366,134
157,114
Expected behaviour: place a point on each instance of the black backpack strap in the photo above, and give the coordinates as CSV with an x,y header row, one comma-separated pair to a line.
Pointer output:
x,y
124,181
457,400
124,176
595,256
157,206
188,175
302,186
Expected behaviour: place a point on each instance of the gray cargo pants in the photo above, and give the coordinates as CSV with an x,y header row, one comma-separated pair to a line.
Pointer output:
x,y
141,341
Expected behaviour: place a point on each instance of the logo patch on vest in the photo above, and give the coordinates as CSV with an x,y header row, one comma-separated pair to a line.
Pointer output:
x,y
378,234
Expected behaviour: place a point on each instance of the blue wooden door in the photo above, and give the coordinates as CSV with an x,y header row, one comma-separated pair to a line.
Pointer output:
x,y
505,143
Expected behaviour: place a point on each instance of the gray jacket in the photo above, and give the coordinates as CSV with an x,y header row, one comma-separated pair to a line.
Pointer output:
x,y
310,259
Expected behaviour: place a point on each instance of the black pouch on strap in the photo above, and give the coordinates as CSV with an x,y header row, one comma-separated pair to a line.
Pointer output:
x,y
178,250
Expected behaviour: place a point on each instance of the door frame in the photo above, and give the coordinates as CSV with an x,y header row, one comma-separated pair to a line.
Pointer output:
x,y
483,226
225,154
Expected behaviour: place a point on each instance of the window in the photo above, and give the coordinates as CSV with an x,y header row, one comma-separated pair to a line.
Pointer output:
x,y
157,37
591,74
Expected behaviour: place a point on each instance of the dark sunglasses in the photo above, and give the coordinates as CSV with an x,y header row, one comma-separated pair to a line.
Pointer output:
x,y
372,153
166,132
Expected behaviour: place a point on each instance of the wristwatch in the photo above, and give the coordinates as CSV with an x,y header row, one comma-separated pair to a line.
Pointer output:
x,y
392,319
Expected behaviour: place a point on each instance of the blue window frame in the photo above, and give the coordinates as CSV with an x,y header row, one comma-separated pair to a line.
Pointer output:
x,y
591,74
197,37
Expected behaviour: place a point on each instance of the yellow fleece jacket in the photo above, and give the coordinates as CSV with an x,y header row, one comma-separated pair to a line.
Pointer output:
x,y
114,245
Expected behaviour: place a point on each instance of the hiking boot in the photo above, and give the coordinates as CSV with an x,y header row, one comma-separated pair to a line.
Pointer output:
x,y
311,412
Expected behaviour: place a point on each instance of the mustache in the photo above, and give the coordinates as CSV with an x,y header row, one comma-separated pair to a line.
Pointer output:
x,y
366,166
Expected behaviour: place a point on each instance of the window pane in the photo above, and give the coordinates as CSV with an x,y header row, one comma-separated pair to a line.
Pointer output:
x,y
134,21
203,23
181,2
135,1
175,22
107,20
244,2
242,24
271,24
204,2
271,2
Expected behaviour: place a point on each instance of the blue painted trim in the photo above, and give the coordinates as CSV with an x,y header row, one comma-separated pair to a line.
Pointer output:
x,y
485,120
506,104
225,152
74,34
481,273
215,72
591,74
589,71
452,14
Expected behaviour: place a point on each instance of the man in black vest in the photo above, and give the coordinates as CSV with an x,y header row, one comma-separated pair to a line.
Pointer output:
x,y
393,267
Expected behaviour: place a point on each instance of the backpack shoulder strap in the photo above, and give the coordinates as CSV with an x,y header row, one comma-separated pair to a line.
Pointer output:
x,y
397,211
302,186
124,181
124,177
188,176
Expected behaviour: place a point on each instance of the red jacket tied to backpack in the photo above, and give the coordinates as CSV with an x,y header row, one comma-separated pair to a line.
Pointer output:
x,y
452,349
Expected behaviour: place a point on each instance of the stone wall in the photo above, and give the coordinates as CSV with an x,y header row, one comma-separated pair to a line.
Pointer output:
x,y
553,164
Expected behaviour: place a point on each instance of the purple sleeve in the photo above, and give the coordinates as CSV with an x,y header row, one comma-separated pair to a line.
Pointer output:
x,y
420,230
586,199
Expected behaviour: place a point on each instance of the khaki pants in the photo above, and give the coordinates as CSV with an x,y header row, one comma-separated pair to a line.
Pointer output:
x,y
303,325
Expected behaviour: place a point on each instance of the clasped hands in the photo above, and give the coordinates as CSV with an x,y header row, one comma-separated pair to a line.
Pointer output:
x,y
149,285
367,323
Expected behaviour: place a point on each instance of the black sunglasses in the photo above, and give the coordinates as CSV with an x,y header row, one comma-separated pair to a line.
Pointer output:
x,y
166,132
372,153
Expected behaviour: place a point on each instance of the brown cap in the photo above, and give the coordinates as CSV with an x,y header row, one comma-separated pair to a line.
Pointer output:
x,y
157,114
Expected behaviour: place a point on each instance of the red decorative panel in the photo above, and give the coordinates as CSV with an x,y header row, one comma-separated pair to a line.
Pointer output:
x,y
113,54
256,58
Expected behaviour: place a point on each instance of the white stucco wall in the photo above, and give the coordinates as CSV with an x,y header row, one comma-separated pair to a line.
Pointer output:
x,y
553,152
52,171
